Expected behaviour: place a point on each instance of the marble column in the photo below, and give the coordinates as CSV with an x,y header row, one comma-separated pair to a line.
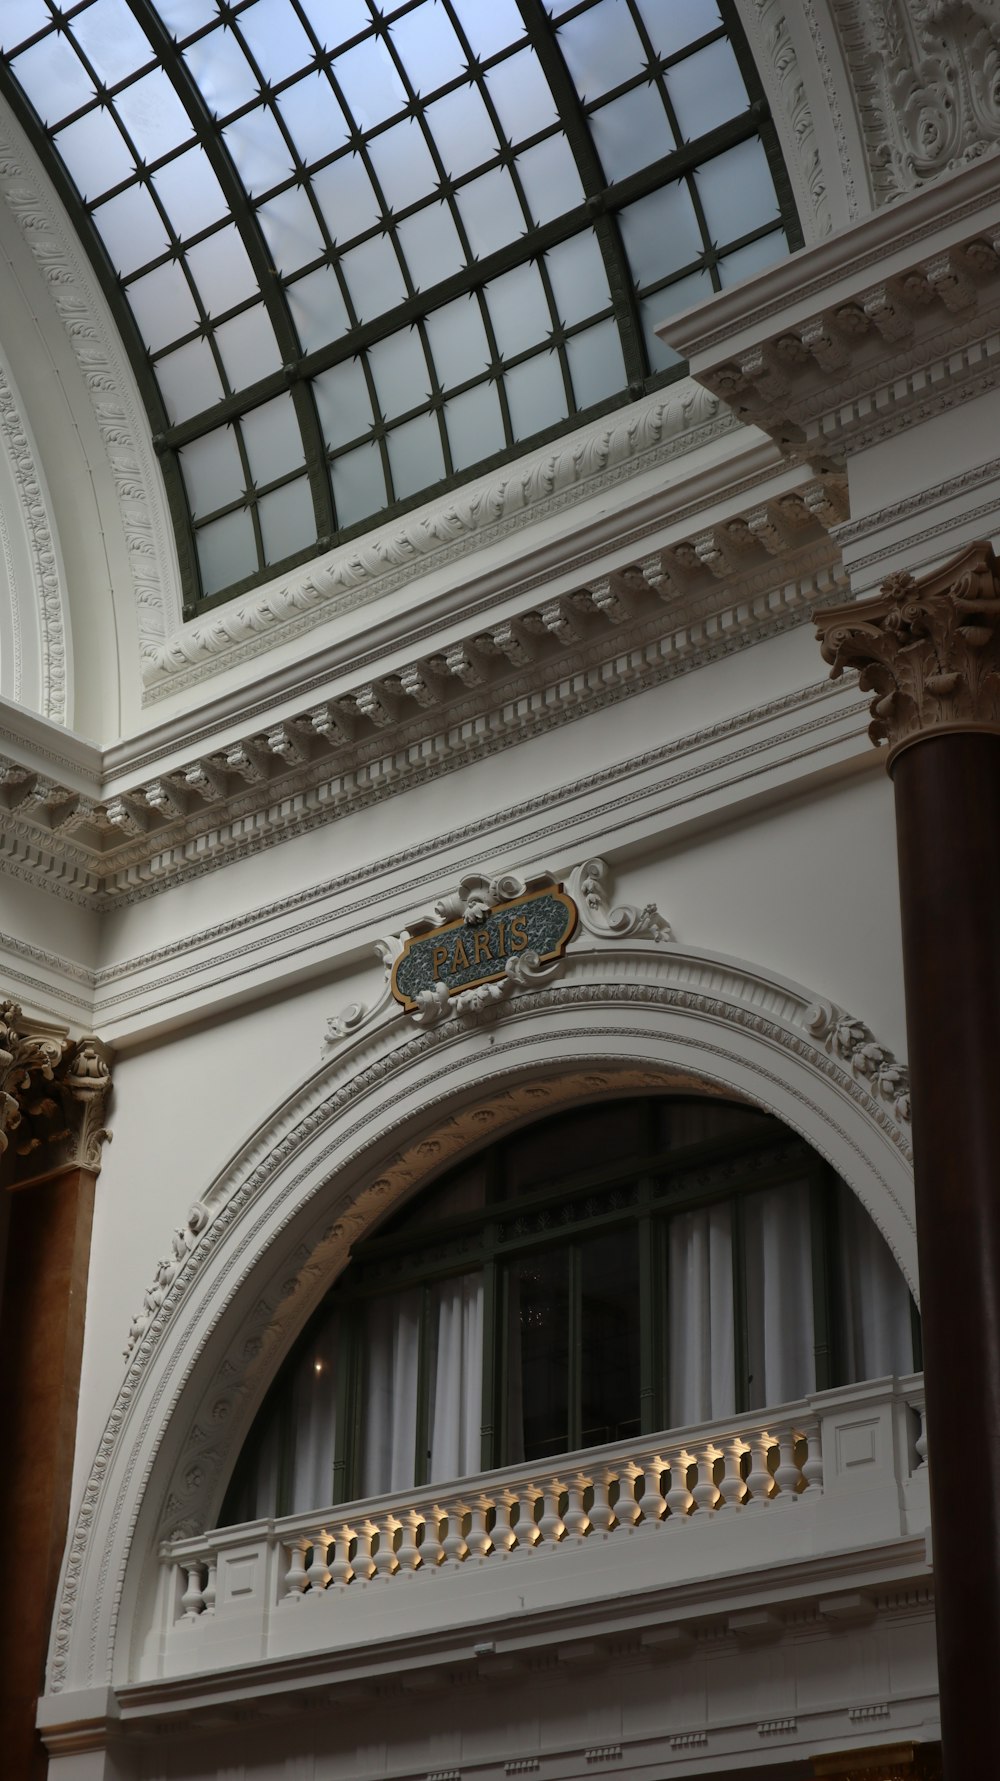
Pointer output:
x,y
929,652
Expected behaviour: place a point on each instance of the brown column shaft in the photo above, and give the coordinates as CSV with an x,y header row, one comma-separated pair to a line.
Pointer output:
x,y
41,1345
947,790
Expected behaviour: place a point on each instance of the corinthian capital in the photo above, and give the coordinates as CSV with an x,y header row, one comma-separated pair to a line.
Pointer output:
x,y
928,649
53,1094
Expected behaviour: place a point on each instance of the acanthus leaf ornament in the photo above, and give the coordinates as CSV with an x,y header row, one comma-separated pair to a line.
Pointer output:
x,y
852,1043
589,884
928,650
53,1093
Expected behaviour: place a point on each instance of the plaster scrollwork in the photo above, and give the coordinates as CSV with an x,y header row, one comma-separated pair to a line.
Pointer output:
x,y
766,23
53,1095
589,885
926,76
182,1245
27,1060
849,1039
47,586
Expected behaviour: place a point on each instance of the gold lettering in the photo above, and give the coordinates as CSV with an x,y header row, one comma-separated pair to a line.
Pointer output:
x,y
482,945
502,928
518,932
460,958
438,956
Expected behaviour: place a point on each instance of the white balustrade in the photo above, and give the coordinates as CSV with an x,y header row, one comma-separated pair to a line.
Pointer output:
x,y
830,1473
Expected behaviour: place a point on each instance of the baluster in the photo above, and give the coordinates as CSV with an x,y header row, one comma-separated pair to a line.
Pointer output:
x,y
732,1489
319,1571
627,1509
920,1443
812,1465
680,1502
651,1504
504,1535
453,1545
385,1556
759,1482
706,1492
551,1526
786,1473
340,1559
577,1519
408,1554
480,1540
601,1512
193,1600
432,1551
209,1591
296,1576
363,1562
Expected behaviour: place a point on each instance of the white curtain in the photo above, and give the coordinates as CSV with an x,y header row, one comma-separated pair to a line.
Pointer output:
x,y
456,1374
780,1329
700,1302
392,1346
314,1424
875,1299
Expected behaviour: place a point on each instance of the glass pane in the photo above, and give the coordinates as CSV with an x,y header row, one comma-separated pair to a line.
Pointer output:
x,y
462,132
318,309
96,153
276,39
489,28
522,96
259,150
415,456
737,192
154,116
399,368
346,197
313,117
706,89
370,84
226,550
404,166
343,401
631,132
248,347
458,341
475,425
605,1133
518,309
537,1357
390,1344
427,47
291,230
596,364
550,178
491,212
602,48
184,16
684,293
222,72
334,21
672,24
578,278
132,229
21,19
189,381
430,245
358,484
287,520
163,306
536,395
213,471
190,193
112,40
221,269
700,1321
661,233
273,439
609,1327
374,278
54,78
780,1333
747,261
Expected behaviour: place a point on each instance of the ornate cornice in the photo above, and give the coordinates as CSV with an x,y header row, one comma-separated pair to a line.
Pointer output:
x,y
45,579
53,1093
929,650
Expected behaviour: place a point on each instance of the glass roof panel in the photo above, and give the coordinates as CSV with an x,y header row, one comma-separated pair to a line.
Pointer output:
x,y
325,225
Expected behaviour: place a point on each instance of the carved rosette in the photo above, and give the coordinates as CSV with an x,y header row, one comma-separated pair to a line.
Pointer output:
x,y
53,1095
929,650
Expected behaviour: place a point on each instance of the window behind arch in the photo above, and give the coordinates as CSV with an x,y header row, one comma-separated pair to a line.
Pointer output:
x,y
621,1268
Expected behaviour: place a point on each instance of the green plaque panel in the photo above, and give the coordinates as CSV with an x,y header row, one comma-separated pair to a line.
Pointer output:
x,y
461,954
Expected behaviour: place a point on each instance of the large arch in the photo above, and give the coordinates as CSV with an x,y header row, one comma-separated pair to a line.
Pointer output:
x,y
389,1107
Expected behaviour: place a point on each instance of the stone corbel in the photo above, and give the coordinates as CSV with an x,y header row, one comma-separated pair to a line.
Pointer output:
x,y
53,1097
928,649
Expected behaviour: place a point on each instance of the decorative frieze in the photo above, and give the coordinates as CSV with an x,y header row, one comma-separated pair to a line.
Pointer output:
x,y
928,650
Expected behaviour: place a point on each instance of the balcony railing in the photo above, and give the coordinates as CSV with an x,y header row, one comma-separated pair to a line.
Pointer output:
x,y
834,1473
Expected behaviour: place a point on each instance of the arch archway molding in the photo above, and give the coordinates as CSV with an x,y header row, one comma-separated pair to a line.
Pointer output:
x,y
393,1103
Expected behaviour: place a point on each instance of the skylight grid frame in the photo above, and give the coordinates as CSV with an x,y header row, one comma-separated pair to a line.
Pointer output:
x,y
599,215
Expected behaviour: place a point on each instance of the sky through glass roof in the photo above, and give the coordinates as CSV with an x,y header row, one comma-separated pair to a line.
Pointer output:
x,y
361,252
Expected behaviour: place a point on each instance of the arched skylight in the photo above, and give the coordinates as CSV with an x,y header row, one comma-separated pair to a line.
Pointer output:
x,y
360,252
